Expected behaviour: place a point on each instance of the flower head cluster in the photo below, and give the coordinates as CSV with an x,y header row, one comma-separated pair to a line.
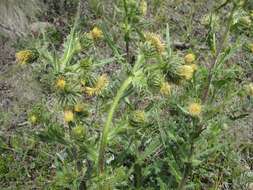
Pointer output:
x,y
155,41
96,33
100,85
194,109
24,56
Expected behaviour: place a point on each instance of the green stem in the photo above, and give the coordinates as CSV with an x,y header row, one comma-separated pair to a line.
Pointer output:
x,y
187,169
216,56
103,142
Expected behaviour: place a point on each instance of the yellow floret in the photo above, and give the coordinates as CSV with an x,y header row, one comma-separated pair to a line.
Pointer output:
x,y
194,109
91,91
194,67
68,116
165,89
60,83
33,119
189,58
102,82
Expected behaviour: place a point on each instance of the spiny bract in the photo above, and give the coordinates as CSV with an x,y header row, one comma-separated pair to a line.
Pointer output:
x,y
100,85
155,41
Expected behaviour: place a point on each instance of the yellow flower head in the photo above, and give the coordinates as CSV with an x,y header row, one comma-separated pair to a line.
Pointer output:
x,y
60,83
96,33
33,119
24,56
68,116
100,85
155,41
189,58
194,67
165,89
79,107
143,7
186,71
250,89
194,109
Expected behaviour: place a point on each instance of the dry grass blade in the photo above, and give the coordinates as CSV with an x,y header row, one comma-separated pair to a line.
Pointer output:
x,y
15,15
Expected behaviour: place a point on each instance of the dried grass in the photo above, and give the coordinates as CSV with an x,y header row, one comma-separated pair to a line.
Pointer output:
x,y
15,15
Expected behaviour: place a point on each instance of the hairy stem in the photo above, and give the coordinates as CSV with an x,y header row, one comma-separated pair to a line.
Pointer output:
x,y
187,169
104,138
215,58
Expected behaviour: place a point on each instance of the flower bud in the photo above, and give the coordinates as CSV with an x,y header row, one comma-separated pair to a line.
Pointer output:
x,y
79,132
33,119
189,58
137,118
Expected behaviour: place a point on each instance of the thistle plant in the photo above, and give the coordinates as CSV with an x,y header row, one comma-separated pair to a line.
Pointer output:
x,y
158,118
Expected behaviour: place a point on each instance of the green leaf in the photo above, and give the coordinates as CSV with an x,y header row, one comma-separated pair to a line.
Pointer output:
x,y
149,150
174,169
